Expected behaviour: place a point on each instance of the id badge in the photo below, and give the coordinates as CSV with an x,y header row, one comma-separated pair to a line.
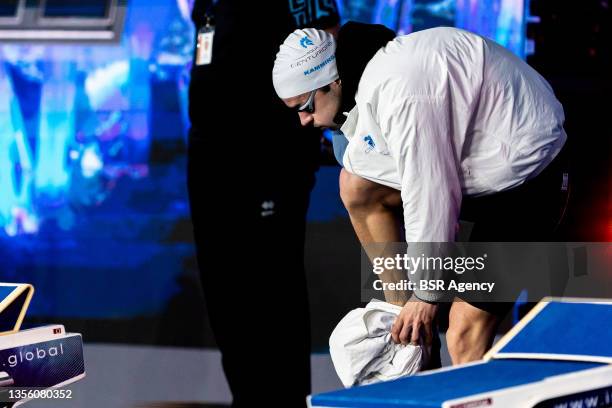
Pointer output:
x,y
204,45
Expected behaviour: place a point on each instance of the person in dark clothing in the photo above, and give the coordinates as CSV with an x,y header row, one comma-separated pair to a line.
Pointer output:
x,y
250,172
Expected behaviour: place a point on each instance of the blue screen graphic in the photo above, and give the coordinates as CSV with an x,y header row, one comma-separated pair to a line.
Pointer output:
x,y
500,20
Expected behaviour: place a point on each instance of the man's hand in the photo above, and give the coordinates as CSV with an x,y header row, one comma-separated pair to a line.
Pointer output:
x,y
416,316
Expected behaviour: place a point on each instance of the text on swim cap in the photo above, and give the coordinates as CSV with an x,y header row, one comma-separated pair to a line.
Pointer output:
x,y
313,53
321,65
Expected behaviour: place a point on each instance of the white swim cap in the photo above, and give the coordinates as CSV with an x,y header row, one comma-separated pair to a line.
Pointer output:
x,y
306,61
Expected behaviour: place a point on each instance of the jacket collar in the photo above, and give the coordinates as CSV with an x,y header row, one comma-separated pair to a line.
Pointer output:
x,y
350,123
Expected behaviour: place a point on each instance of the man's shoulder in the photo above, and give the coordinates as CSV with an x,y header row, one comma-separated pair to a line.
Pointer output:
x,y
442,32
419,60
387,75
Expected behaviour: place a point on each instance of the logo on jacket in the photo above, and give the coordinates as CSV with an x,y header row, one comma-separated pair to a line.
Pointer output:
x,y
305,42
370,143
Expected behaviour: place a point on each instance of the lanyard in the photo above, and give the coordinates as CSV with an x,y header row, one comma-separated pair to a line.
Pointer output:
x,y
204,42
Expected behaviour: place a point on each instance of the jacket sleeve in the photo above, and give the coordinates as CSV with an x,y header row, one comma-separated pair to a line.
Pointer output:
x,y
418,130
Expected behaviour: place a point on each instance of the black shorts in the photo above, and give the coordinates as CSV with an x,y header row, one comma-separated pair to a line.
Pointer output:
x,y
531,212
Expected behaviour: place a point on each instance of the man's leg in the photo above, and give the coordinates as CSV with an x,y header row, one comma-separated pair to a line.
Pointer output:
x,y
530,214
372,208
470,333
374,212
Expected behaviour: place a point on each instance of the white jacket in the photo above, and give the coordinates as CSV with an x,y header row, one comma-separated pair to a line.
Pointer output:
x,y
444,112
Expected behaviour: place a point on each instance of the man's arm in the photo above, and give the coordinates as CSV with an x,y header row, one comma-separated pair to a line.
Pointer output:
x,y
418,130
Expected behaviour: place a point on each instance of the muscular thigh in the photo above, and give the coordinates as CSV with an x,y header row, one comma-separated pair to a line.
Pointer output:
x,y
358,191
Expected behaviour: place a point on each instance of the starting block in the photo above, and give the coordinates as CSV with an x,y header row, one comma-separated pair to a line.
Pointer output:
x,y
39,358
558,356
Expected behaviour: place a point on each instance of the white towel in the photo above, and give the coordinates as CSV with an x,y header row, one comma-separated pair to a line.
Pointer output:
x,y
363,352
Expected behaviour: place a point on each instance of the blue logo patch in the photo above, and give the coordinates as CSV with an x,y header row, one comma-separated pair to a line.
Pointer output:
x,y
305,42
370,142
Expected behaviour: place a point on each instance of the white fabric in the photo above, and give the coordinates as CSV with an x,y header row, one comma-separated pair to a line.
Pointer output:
x,y
443,112
306,61
363,352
